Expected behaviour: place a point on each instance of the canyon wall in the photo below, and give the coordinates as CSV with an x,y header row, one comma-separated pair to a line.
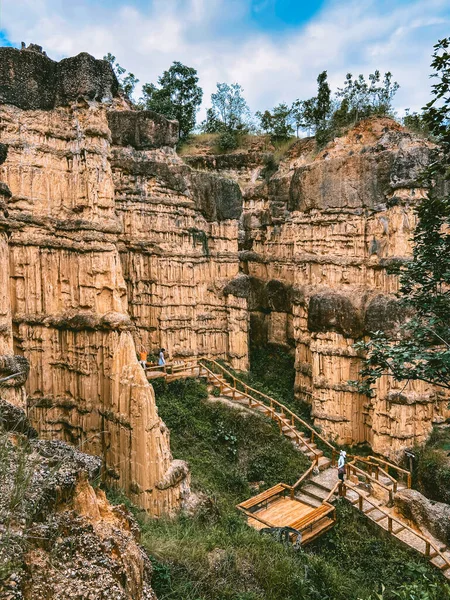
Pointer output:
x,y
110,240
111,244
317,234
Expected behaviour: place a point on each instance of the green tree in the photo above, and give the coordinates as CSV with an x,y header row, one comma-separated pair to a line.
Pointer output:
x,y
303,114
360,99
229,110
127,81
278,123
421,348
178,96
415,122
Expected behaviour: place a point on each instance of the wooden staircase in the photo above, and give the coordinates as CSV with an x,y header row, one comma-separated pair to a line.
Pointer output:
x,y
277,412
304,510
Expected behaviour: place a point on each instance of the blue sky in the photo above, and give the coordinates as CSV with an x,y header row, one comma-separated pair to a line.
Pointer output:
x,y
273,48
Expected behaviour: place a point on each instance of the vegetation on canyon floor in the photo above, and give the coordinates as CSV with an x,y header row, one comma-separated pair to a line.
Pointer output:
x,y
215,555
431,473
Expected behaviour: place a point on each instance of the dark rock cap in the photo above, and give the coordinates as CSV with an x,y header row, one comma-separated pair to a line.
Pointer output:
x,y
330,311
217,198
143,130
3,153
32,81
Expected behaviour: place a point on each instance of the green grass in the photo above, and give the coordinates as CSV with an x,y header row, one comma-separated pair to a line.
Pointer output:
x,y
214,555
431,474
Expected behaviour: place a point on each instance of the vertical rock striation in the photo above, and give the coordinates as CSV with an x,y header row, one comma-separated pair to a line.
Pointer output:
x,y
64,289
317,236
178,243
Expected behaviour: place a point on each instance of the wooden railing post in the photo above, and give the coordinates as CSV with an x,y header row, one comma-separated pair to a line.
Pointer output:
x,y
427,548
312,437
360,503
390,524
409,481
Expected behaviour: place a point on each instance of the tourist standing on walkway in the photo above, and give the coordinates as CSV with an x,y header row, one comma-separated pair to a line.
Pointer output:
x,y
162,359
143,359
341,465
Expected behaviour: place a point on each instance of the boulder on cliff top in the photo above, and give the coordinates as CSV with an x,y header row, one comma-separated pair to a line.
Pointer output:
x,y
143,130
32,81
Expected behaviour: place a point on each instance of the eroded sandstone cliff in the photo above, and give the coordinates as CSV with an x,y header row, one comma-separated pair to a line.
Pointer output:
x,y
111,244
110,241
59,536
318,232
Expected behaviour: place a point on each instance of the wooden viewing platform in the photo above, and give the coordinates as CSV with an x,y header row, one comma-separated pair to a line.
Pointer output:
x,y
271,509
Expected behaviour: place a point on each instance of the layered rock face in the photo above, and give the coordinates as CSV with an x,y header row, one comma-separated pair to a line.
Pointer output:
x,y
81,238
317,236
178,244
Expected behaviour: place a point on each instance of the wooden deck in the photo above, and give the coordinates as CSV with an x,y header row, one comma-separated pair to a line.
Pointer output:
x,y
277,508
281,513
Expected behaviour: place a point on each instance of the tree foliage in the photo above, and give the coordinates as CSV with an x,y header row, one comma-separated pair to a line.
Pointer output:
x,y
178,96
278,123
229,110
421,348
326,115
127,81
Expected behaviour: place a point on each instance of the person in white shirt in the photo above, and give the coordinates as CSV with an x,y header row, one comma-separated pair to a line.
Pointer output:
x,y
341,464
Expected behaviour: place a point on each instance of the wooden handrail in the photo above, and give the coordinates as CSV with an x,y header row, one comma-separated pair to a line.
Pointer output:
x,y
253,516
389,490
305,474
284,408
400,470
428,543
271,409
332,491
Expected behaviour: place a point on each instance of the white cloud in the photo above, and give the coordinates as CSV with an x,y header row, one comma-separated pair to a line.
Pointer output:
x,y
350,35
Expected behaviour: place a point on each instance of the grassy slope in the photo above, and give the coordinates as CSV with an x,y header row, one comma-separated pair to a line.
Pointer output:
x,y
216,556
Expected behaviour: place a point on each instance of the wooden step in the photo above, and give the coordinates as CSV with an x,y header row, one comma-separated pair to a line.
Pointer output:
x,y
310,489
318,529
309,500
324,463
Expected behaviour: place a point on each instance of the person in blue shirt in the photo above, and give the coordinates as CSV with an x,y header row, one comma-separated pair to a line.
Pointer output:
x,y
162,359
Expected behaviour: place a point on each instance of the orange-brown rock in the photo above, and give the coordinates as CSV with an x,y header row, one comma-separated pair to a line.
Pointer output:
x,y
318,234
111,245
61,538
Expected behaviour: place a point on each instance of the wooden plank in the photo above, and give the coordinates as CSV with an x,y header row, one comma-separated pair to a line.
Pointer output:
x,y
255,500
282,512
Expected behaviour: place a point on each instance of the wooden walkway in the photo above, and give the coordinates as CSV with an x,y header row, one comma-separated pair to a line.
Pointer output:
x,y
305,509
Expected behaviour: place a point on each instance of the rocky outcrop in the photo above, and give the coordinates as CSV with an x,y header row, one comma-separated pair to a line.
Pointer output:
x,y
60,537
109,244
32,81
426,514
